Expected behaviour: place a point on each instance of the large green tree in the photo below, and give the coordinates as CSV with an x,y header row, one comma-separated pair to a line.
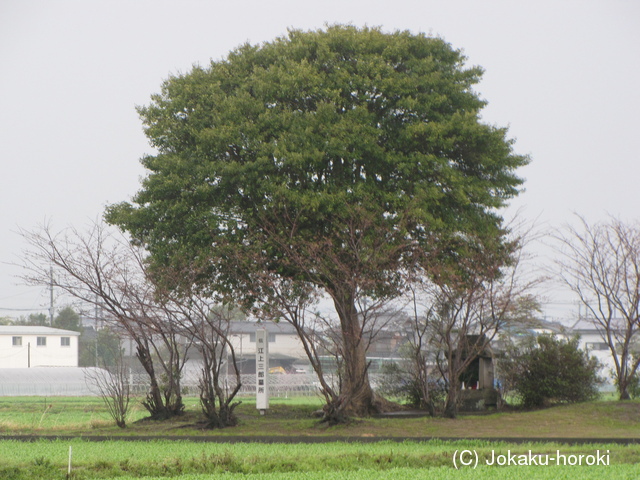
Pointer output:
x,y
68,319
339,160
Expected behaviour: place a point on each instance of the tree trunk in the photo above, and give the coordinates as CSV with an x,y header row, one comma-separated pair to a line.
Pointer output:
x,y
172,369
356,398
153,403
217,407
422,377
623,389
451,403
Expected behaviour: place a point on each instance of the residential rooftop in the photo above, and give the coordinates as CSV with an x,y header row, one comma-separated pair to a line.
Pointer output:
x,y
34,330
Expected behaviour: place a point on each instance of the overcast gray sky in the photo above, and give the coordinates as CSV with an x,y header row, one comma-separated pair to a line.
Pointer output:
x,y
563,75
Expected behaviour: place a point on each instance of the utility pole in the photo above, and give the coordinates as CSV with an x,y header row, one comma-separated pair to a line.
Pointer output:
x,y
51,296
96,314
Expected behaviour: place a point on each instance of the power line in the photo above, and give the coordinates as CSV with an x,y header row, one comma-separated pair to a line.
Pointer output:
x,y
21,309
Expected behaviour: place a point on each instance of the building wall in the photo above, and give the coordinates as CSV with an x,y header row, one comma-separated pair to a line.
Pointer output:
x,y
593,343
283,344
29,353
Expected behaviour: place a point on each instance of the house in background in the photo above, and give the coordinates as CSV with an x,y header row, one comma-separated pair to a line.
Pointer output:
x,y
593,341
286,353
285,348
33,346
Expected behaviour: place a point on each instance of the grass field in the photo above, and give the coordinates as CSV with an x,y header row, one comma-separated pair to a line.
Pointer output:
x,y
357,460
87,416
189,461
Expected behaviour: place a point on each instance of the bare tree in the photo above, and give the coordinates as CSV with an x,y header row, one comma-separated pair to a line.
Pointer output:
x,y
208,324
465,306
103,269
600,263
418,355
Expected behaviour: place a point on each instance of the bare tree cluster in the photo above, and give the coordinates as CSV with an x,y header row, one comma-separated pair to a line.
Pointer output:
x,y
208,324
600,263
459,309
101,268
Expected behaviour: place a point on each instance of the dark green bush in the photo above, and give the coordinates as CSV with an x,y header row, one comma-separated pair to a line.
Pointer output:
x,y
548,369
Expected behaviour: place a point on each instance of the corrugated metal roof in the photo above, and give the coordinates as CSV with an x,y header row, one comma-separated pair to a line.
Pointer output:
x,y
33,330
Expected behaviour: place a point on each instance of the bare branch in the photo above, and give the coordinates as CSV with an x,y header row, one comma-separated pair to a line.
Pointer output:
x,y
600,263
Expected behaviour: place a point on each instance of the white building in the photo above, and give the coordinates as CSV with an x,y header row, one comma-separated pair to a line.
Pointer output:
x,y
32,346
593,341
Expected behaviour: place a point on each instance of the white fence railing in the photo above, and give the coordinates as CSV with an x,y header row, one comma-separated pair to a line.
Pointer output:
x,y
280,385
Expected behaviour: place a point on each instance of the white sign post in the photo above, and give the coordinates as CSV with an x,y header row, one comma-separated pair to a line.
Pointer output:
x,y
262,370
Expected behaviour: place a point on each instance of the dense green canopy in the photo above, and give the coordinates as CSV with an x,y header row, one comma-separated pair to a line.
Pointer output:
x,y
347,144
335,160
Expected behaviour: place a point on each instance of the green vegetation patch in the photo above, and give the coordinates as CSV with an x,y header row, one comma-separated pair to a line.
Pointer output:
x,y
621,472
57,415
187,460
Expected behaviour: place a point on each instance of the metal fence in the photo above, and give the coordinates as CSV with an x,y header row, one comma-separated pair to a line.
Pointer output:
x,y
77,382
46,381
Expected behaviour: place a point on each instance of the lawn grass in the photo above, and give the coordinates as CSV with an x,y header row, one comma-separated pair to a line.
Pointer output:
x,y
57,414
293,417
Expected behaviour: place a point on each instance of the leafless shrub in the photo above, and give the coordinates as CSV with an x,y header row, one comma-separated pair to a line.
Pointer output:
x,y
113,386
